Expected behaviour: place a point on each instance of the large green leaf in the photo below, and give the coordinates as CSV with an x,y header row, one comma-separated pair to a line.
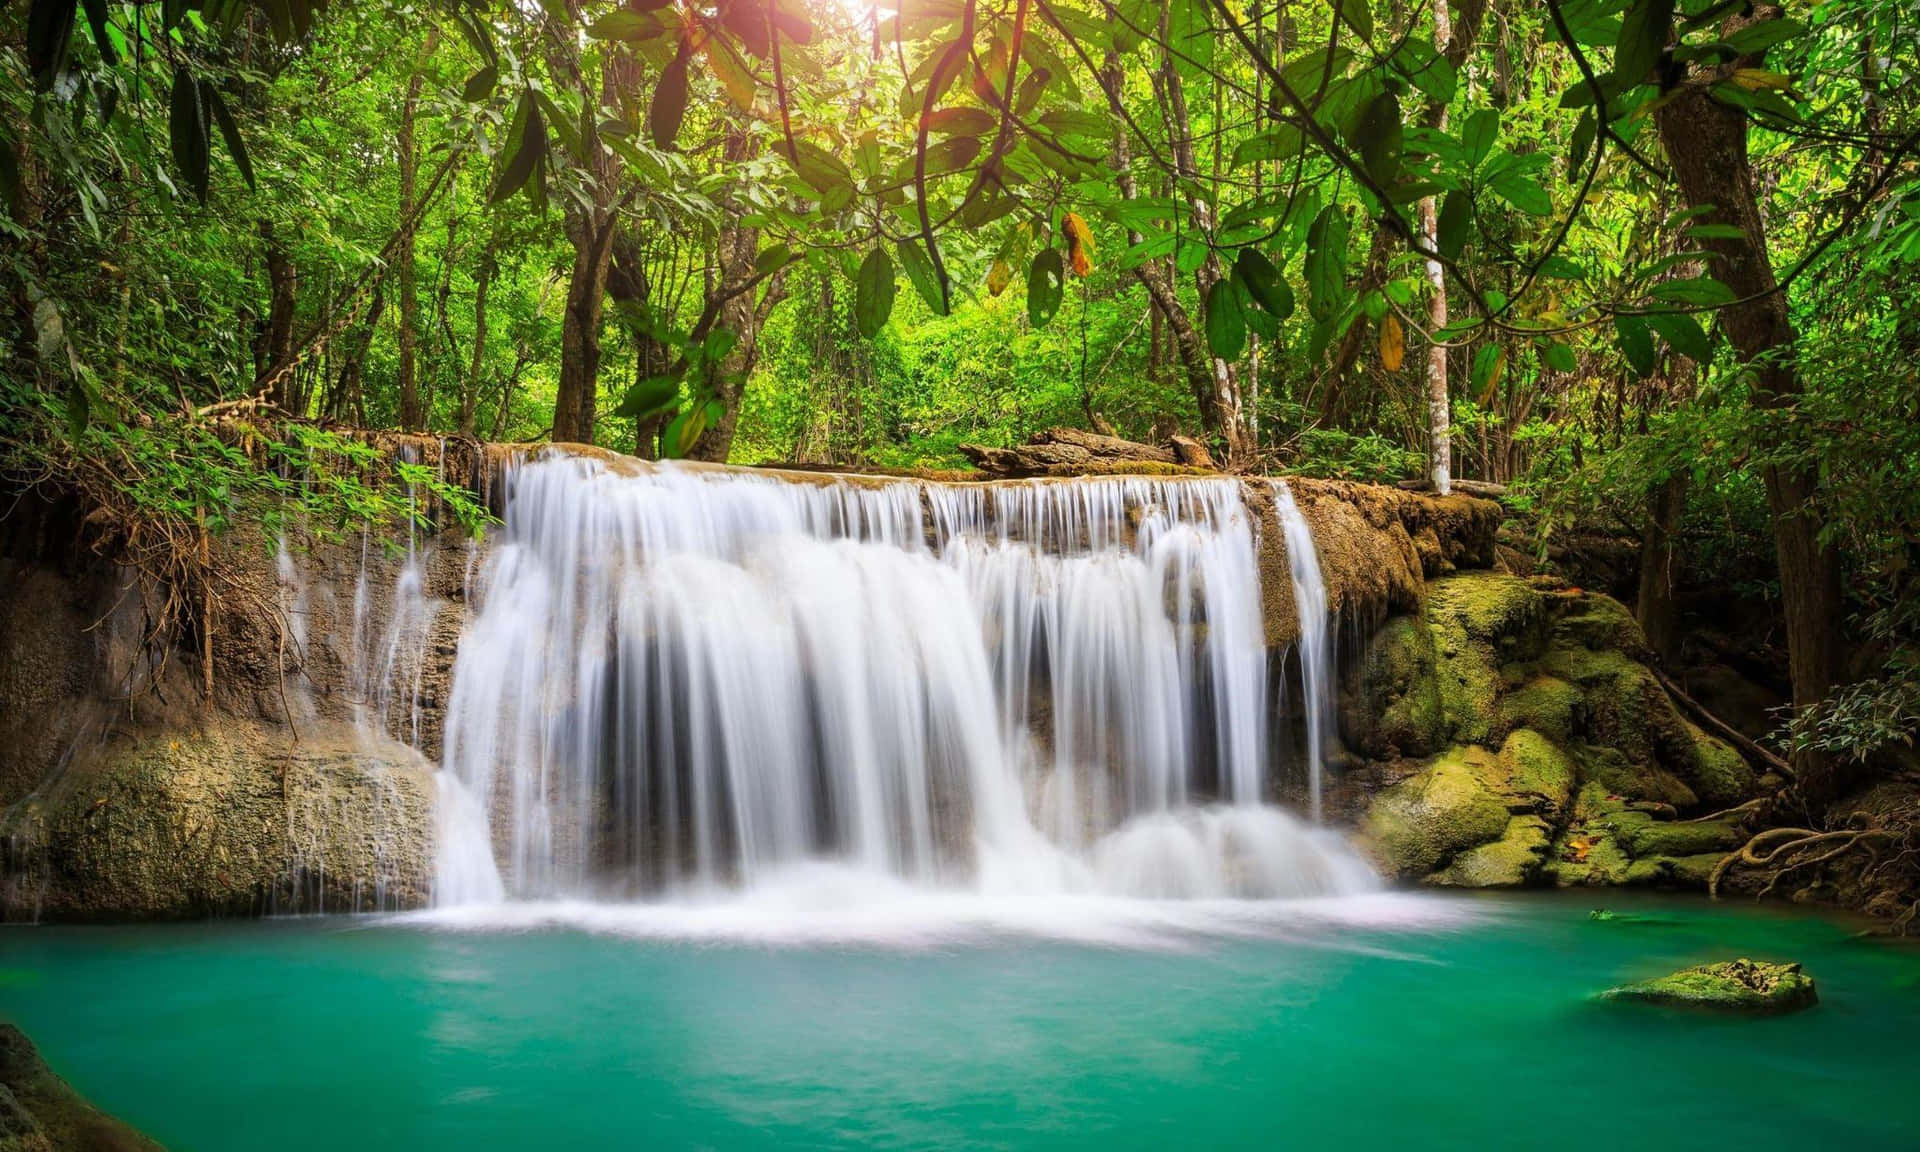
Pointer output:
x,y
1327,263
925,277
1703,290
1226,320
669,106
1359,17
229,131
1683,334
651,397
1522,191
1046,283
187,130
1264,283
1478,134
526,148
1382,137
1456,222
1636,342
873,293
1643,36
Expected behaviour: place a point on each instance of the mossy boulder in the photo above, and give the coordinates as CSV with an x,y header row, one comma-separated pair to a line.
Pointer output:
x,y
1546,704
1601,624
1532,766
1721,776
1645,836
1494,608
1740,986
233,819
1421,823
1398,709
1627,778
1513,861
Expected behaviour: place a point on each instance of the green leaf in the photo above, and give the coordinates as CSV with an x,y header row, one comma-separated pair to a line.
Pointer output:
x,y
1684,335
626,24
1643,36
1478,134
1522,191
1326,263
1560,358
669,106
1280,142
1584,133
1715,232
1226,320
926,279
1382,137
187,131
1703,290
651,397
229,131
1263,283
1046,283
1636,342
97,20
873,293
961,122
822,170
1358,16
526,147
480,85
1489,364
1757,38
49,33
1456,221
772,259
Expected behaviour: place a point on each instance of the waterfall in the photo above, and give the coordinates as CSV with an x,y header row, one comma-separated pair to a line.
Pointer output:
x,y
681,679
1316,648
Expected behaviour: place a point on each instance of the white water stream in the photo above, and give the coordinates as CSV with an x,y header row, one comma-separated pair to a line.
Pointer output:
x,y
682,681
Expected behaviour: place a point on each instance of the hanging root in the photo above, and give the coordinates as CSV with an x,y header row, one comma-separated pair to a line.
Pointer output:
x,y
1757,804
1775,843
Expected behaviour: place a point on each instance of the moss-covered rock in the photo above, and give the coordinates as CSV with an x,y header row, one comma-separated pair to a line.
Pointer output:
x,y
1644,836
1628,778
1742,986
1513,861
1602,624
1501,610
229,820
1532,766
1720,775
1398,710
1421,823
1546,704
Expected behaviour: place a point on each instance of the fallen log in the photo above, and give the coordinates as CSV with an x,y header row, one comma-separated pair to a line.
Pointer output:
x,y
1072,452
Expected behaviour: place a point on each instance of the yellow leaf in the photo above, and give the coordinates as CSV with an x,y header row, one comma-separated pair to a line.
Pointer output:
x,y
733,76
1393,343
1755,79
1079,243
1493,379
999,276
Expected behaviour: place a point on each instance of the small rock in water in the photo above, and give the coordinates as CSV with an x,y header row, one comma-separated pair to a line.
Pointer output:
x,y
1730,986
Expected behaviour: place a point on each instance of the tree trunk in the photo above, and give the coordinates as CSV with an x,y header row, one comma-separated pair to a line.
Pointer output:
x,y
283,287
1220,401
740,313
591,230
411,415
1706,142
1654,606
470,391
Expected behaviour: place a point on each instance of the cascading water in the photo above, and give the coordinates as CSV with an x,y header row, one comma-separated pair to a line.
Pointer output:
x,y
1316,647
683,679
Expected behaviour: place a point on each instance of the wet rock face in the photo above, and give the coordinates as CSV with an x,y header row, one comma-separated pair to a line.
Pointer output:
x,y
1738,986
230,820
1535,703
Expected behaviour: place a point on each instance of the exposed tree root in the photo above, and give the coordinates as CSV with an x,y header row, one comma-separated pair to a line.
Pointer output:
x,y
1774,843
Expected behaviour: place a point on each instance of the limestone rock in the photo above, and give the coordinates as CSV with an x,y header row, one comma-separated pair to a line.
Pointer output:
x,y
1740,986
1513,861
234,819
1422,822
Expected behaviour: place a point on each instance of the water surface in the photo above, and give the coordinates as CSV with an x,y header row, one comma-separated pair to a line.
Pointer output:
x,y
1386,1023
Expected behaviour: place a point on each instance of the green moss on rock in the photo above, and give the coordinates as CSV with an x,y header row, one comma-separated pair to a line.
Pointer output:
x,y
1600,623
1513,861
1545,704
1721,776
1422,822
1645,836
1632,779
1532,766
1501,610
1742,986
1399,709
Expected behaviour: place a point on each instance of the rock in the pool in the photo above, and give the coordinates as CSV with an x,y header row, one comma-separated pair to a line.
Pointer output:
x,y
1730,986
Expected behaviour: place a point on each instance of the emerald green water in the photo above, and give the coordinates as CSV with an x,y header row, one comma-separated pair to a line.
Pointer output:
x,y
1422,1024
